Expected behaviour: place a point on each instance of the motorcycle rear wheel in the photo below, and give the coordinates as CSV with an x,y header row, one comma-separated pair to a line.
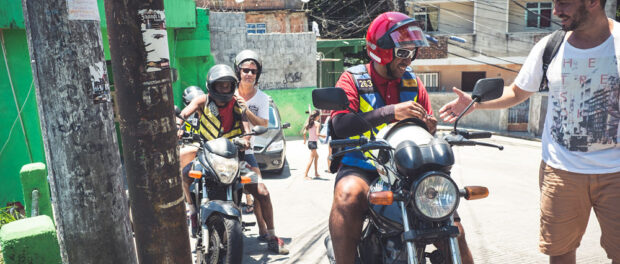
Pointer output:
x,y
225,240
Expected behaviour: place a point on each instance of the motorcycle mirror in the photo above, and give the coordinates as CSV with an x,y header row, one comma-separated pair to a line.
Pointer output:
x,y
258,130
488,89
331,98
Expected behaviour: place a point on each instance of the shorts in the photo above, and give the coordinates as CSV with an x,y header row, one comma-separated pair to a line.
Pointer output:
x,y
366,175
250,159
566,199
312,145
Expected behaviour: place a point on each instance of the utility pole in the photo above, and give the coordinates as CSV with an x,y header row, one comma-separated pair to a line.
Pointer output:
x,y
75,110
141,66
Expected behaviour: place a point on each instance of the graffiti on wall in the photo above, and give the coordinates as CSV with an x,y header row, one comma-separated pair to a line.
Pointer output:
x,y
292,77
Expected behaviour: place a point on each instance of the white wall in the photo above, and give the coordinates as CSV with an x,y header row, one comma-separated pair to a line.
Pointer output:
x,y
289,59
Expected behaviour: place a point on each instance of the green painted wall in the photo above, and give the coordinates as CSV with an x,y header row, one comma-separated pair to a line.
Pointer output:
x,y
293,104
17,148
190,50
188,38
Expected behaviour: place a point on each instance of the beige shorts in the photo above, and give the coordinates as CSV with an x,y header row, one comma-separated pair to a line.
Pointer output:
x,y
566,200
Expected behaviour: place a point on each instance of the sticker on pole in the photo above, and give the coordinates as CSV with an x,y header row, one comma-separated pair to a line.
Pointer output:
x,y
99,82
83,10
155,39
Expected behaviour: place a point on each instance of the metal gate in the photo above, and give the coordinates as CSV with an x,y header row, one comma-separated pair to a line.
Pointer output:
x,y
518,116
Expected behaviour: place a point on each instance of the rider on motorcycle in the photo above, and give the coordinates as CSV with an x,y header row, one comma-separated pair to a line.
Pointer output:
x,y
219,115
381,92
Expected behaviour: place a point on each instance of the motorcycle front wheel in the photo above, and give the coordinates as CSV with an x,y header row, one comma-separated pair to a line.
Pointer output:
x,y
225,240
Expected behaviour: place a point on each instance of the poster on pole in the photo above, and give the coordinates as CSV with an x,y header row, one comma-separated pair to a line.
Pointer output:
x,y
83,10
99,82
155,39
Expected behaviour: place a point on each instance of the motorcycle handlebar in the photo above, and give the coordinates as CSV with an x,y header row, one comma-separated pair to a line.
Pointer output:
x,y
473,135
348,142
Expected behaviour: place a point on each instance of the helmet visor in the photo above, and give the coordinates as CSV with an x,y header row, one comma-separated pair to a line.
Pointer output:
x,y
408,36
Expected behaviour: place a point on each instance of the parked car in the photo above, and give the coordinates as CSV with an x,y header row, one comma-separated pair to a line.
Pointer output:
x,y
270,147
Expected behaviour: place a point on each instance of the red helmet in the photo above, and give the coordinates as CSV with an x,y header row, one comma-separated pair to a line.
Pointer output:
x,y
392,30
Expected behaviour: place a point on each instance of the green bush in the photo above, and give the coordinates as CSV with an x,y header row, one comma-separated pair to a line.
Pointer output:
x,y
9,214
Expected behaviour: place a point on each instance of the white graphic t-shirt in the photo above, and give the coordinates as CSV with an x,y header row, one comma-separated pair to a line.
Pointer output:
x,y
259,105
581,126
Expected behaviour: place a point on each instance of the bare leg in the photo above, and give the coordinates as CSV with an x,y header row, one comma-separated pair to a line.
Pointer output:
x,y
261,195
316,160
260,220
466,256
186,155
308,167
346,217
566,258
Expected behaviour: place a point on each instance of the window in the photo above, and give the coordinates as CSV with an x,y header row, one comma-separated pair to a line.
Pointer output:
x,y
469,79
256,28
428,17
273,122
430,80
538,14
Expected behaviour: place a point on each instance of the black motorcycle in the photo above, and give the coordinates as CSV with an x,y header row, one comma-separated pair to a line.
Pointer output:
x,y
412,203
219,174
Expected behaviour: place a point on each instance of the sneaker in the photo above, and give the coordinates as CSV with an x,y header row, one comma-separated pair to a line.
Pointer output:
x,y
277,246
263,238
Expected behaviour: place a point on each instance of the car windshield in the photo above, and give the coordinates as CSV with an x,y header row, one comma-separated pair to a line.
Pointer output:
x,y
273,123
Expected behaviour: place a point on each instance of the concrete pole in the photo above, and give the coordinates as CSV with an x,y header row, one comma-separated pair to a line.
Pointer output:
x,y
75,110
141,66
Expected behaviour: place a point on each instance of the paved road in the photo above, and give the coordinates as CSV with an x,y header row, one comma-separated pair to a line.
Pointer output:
x,y
502,228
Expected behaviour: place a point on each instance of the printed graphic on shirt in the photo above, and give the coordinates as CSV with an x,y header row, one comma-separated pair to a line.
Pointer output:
x,y
585,110
254,109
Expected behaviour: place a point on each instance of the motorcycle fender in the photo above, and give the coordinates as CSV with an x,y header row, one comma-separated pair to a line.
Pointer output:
x,y
217,206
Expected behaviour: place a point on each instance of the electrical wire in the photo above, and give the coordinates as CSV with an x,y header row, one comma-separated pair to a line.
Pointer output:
x,y
19,110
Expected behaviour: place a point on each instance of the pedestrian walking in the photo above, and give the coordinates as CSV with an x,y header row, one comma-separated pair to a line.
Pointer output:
x,y
312,128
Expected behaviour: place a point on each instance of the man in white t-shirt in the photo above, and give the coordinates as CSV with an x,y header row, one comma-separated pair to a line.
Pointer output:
x,y
580,167
248,68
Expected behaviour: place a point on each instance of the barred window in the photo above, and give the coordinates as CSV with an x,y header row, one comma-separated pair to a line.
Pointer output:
x,y
538,14
256,28
430,80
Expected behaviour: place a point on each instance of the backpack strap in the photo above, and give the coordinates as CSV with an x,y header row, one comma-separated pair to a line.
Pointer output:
x,y
551,49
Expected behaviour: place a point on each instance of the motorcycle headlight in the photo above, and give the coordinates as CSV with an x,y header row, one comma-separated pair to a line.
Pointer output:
x,y
435,196
225,168
276,146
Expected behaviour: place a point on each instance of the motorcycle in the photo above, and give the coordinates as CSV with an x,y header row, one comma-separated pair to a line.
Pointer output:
x,y
412,203
219,175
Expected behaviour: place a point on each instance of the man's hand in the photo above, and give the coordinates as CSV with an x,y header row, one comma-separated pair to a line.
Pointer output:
x,y
246,144
409,109
431,123
242,104
453,109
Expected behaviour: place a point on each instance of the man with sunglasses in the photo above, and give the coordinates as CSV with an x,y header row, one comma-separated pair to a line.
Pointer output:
x,y
383,91
248,68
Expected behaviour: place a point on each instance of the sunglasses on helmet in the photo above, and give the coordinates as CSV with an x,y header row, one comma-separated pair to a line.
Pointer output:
x,y
405,53
246,70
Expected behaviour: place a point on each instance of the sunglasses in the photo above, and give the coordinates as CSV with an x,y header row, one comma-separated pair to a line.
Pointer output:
x,y
246,71
404,53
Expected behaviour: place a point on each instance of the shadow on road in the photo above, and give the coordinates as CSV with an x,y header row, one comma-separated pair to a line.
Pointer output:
x,y
286,172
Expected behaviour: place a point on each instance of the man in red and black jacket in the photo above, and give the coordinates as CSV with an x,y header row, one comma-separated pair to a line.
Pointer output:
x,y
383,91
